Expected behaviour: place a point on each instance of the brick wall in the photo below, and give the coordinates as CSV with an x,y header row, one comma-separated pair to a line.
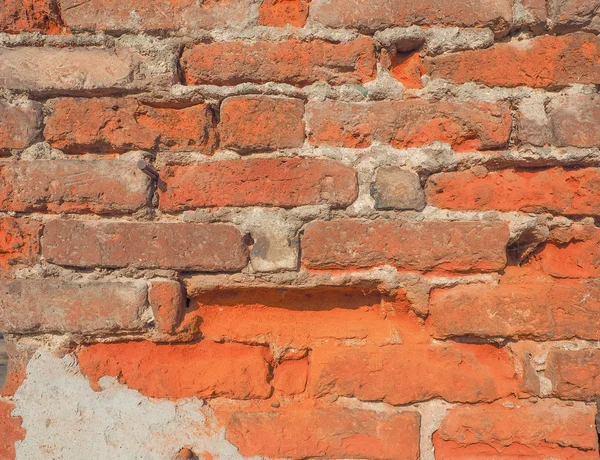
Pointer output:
x,y
374,234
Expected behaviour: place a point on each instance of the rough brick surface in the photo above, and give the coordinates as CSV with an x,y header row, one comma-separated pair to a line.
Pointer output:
x,y
72,186
330,432
456,246
19,243
178,246
118,125
530,307
153,15
50,305
397,188
29,16
51,71
555,190
21,125
232,370
543,62
517,429
405,124
296,318
401,374
10,430
279,13
289,61
369,15
577,258
254,124
268,182
574,374
168,301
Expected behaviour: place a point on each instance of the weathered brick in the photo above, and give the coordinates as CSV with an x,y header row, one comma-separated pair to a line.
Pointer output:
x,y
279,13
369,15
519,429
168,301
155,15
261,123
578,258
279,182
555,190
528,307
19,243
10,431
297,318
118,125
325,432
178,246
407,68
21,124
574,374
450,246
411,372
397,188
543,62
289,377
99,186
74,71
289,61
412,123
574,120
52,305
204,370
567,15
29,16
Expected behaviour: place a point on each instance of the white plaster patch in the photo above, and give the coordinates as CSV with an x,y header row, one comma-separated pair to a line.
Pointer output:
x,y
66,420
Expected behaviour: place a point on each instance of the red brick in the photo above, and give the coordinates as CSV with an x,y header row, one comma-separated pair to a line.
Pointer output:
x,y
407,69
413,123
449,246
19,353
99,186
579,258
279,182
575,374
52,305
178,246
519,429
411,372
261,123
155,15
297,318
555,190
168,301
529,307
10,431
574,120
325,432
543,62
119,125
47,71
289,61
290,377
279,13
204,370
369,15
21,124
29,16
19,243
